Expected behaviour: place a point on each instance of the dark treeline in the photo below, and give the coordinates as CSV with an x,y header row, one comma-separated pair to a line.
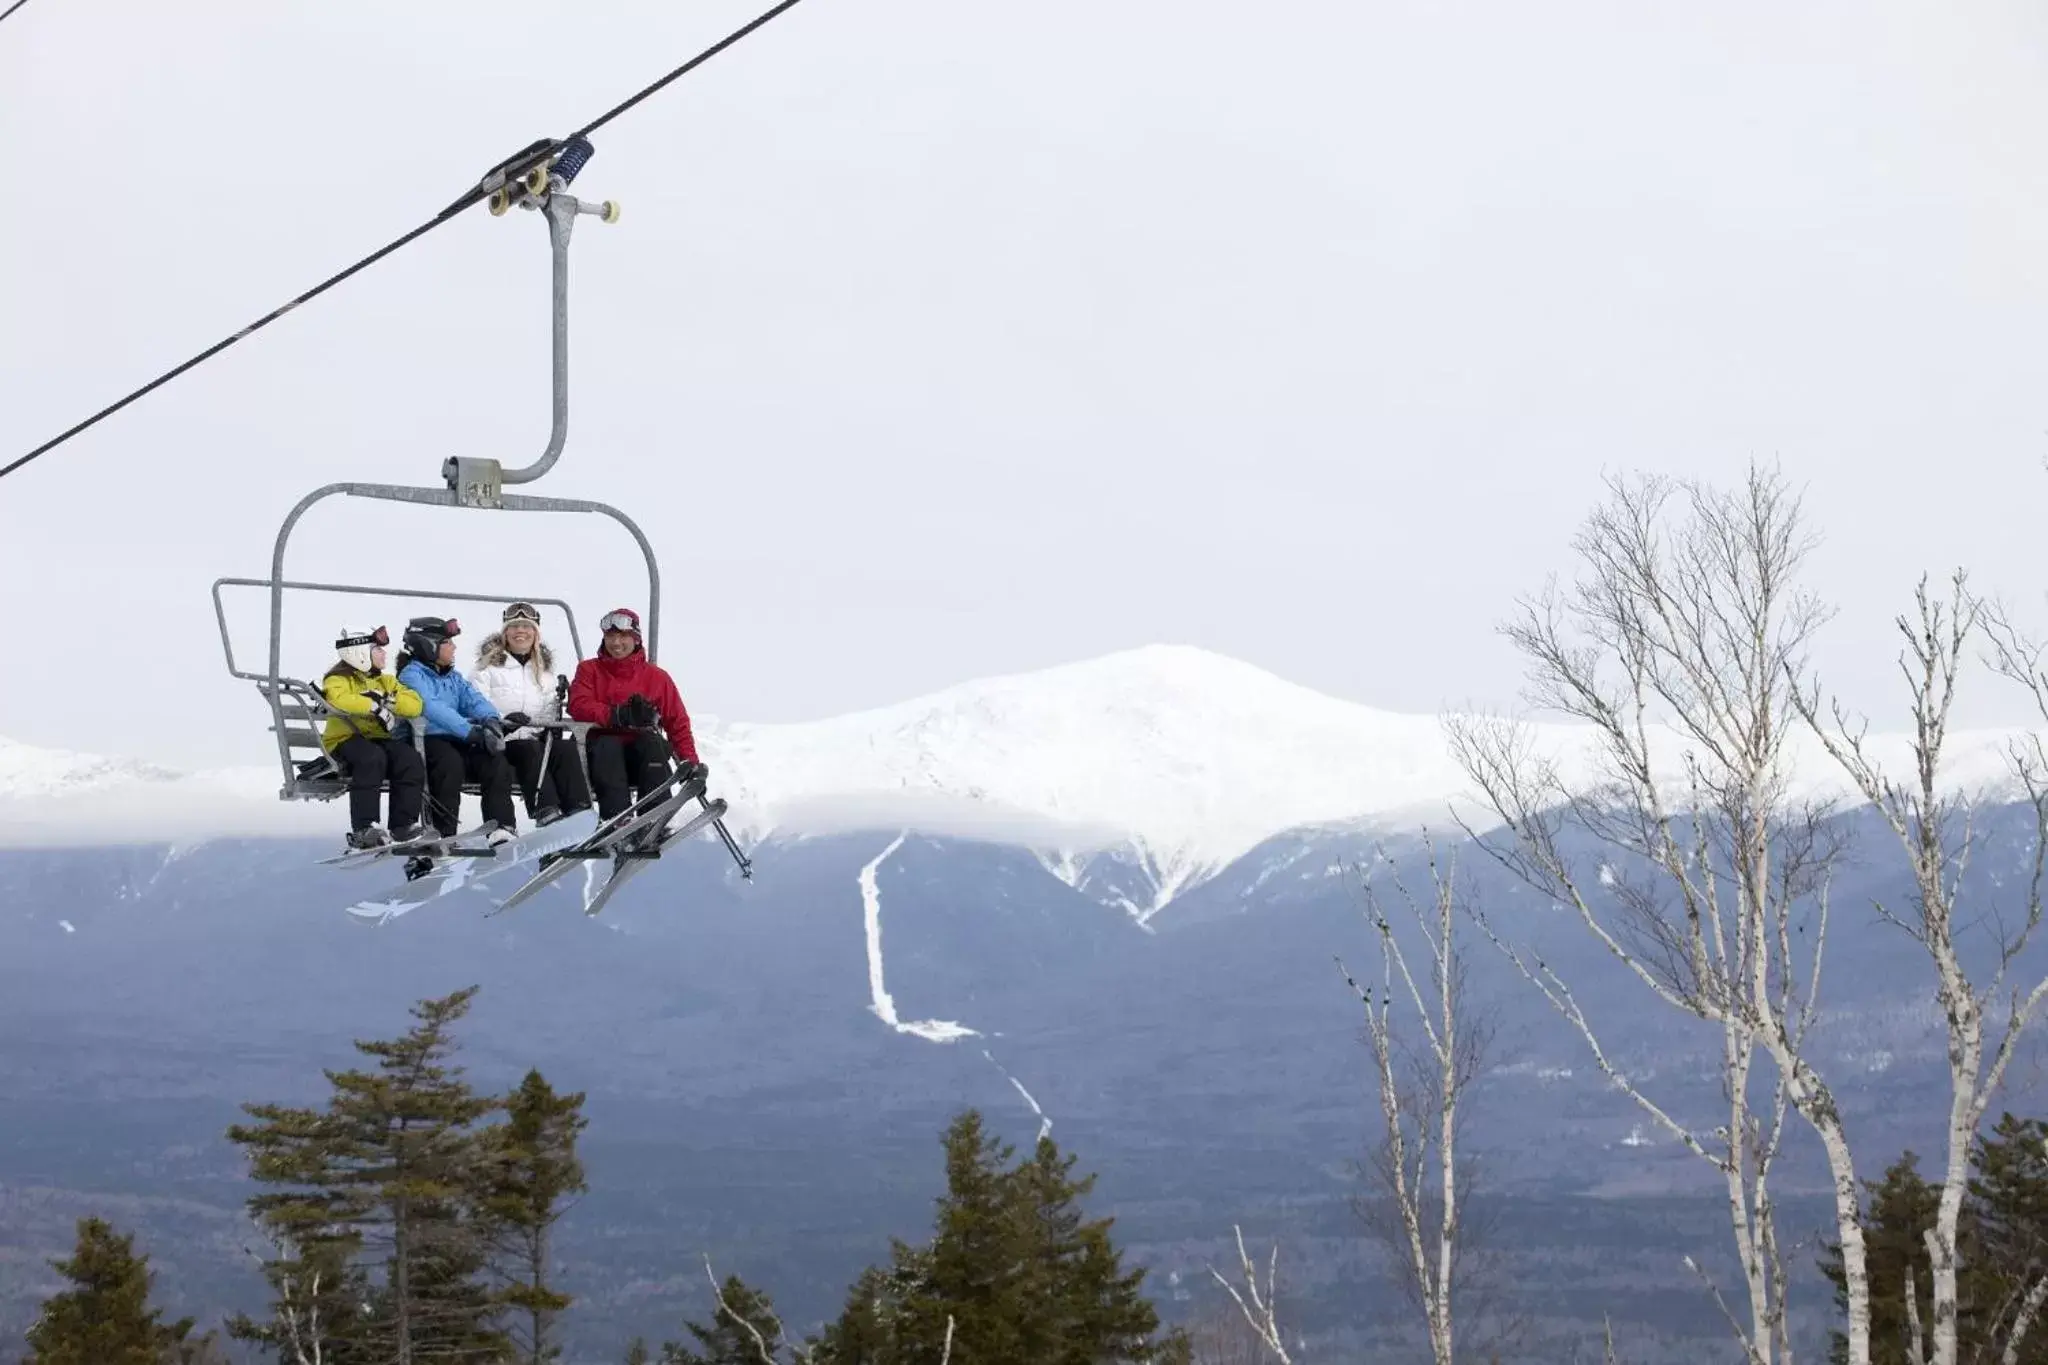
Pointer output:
x,y
410,1221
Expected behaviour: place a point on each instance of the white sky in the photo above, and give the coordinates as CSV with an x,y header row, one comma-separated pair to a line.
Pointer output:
x,y
945,338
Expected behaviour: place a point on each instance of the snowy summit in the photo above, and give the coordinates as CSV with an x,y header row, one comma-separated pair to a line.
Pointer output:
x,y
1189,758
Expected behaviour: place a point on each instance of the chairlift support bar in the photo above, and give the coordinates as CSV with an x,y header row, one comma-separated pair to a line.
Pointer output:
x,y
227,643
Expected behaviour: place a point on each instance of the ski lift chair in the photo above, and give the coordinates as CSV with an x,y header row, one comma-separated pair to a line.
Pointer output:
x,y
299,710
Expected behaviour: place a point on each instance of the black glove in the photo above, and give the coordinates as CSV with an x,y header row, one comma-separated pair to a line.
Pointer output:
x,y
380,709
518,720
696,772
634,713
492,723
480,733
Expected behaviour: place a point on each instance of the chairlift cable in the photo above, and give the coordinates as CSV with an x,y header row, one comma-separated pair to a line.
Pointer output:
x,y
539,151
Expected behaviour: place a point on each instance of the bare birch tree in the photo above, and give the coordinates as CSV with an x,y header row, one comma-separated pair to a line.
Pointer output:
x,y
1936,826
1681,652
1420,1209
1258,1307
768,1346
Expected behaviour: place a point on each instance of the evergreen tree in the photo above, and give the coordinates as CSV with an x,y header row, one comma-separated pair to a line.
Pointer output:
x,y
2008,1206
105,1317
1014,1264
731,1339
532,1169
1901,1209
389,1175
1095,1309
1901,1212
636,1353
318,1298
866,1330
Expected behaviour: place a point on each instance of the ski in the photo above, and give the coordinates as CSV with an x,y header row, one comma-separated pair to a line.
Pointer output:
x,y
657,807
427,843
464,873
628,862
650,811
659,814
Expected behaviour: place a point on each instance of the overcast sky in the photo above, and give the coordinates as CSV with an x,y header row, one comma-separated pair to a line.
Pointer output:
x,y
943,338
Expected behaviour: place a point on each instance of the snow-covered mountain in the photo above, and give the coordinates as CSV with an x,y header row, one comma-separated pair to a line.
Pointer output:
x,y
1134,776
1176,759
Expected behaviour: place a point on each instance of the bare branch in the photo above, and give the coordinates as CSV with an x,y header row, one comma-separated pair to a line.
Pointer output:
x,y
761,1346
1734,1324
1259,1312
2023,1321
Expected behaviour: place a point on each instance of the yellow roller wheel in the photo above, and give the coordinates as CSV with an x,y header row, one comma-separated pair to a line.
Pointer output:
x,y
501,199
537,181
611,211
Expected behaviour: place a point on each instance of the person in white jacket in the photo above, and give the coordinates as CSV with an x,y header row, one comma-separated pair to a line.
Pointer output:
x,y
513,670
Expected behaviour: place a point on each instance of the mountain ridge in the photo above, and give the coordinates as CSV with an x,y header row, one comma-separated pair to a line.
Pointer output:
x,y
1140,773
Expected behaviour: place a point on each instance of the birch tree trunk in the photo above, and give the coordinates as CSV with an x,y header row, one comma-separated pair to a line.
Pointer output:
x,y
1937,833
1681,651
1423,1220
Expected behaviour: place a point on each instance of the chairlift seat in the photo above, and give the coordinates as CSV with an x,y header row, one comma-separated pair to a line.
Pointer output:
x,y
302,709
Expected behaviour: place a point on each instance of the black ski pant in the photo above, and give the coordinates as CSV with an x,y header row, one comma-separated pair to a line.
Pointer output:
x,y
561,785
370,762
451,762
618,762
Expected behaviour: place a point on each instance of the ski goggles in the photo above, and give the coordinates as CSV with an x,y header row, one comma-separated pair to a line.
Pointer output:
x,y
522,611
379,636
619,620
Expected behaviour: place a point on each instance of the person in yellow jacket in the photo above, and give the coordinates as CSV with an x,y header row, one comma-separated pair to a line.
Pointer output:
x,y
369,700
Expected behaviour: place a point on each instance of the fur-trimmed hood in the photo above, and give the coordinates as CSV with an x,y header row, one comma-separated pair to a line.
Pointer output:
x,y
491,653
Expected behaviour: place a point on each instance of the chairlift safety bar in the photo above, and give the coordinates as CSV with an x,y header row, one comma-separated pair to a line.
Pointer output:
x,y
227,643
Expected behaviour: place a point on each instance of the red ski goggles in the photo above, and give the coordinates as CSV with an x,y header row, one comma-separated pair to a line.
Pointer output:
x,y
379,637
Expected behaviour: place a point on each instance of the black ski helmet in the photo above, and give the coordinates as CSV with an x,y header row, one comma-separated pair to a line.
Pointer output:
x,y
424,634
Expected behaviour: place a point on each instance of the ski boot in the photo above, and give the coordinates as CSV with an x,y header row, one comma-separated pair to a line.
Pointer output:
x,y
369,836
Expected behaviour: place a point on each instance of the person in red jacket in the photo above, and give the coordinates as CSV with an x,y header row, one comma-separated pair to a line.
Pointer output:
x,y
632,702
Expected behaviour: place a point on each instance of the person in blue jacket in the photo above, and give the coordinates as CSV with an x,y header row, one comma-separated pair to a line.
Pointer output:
x,y
465,735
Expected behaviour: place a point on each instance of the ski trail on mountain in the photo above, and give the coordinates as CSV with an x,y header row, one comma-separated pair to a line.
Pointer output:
x,y
881,1002
1044,1123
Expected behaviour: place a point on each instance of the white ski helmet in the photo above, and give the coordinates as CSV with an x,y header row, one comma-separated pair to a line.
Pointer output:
x,y
354,646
